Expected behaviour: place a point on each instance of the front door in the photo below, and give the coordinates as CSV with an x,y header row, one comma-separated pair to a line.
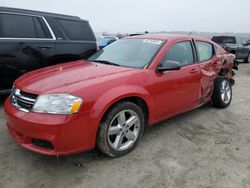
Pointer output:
x,y
177,90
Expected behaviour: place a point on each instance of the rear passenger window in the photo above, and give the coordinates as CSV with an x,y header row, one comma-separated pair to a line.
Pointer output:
x,y
76,30
16,26
205,50
181,52
39,30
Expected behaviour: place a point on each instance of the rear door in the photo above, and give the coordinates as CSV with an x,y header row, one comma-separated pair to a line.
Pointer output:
x,y
242,51
208,67
26,44
75,39
177,90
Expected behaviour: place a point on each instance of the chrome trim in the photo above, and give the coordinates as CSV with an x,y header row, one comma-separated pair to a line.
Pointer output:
x,y
14,103
50,30
24,101
3,38
5,91
33,15
15,95
18,95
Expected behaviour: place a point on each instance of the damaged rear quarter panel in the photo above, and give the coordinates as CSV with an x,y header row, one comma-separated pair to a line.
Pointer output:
x,y
209,70
220,64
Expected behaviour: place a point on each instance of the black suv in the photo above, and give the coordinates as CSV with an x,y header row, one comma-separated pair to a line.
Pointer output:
x,y
235,45
30,40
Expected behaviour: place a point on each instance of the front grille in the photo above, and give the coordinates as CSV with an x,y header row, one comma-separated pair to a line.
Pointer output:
x,y
22,100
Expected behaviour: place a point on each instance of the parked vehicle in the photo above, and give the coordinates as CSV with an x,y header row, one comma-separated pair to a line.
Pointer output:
x,y
243,53
108,100
101,42
30,40
111,39
235,45
105,40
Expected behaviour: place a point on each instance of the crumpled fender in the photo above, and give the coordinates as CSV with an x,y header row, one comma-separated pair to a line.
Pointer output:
x,y
221,65
228,65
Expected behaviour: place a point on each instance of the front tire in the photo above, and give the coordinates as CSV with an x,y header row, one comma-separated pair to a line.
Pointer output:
x,y
121,129
222,94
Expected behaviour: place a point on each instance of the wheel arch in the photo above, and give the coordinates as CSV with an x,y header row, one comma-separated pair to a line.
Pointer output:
x,y
134,99
137,95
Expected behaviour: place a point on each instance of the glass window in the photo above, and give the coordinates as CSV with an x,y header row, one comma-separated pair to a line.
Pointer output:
x,y
39,30
129,52
76,30
181,52
224,39
204,50
16,26
45,28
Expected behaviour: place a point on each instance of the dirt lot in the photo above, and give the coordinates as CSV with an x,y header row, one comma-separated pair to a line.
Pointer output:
x,y
207,147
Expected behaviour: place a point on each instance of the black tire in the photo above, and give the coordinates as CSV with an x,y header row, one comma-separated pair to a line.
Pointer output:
x,y
248,58
217,98
103,137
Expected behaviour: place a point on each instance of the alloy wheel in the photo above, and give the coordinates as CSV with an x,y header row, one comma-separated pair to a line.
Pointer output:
x,y
124,130
225,92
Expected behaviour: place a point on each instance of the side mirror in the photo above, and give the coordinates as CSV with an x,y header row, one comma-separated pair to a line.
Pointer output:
x,y
168,66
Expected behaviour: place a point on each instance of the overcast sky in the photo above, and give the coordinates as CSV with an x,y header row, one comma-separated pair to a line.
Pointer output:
x,y
151,15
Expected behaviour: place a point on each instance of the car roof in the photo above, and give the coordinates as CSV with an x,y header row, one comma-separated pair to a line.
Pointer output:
x,y
39,13
224,36
167,36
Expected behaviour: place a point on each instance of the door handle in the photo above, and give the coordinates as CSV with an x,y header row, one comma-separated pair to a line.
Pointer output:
x,y
192,71
44,47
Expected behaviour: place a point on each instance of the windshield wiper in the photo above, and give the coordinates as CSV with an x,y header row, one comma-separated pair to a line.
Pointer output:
x,y
106,62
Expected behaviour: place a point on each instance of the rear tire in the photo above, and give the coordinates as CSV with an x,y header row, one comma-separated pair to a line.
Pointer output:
x,y
222,94
121,129
248,58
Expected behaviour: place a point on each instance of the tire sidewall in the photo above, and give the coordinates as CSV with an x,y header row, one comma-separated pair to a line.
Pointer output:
x,y
221,100
104,126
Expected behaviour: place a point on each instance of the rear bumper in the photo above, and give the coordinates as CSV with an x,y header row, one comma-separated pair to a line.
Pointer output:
x,y
51,134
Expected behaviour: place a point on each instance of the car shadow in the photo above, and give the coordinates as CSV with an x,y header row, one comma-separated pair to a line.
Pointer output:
x,y
85,158
180,117
87,163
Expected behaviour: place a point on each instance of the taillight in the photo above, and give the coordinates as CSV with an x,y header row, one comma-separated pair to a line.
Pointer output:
x,y
97,46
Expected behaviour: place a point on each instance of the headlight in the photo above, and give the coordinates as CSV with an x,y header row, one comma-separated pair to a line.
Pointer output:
x,y
57,104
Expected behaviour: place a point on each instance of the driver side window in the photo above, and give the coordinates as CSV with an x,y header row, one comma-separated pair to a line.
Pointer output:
x,y
181,52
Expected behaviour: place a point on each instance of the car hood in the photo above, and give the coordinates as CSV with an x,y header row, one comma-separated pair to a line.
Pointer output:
x,y
67,77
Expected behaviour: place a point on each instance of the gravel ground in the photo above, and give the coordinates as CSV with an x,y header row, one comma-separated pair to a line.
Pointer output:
x,y
206,147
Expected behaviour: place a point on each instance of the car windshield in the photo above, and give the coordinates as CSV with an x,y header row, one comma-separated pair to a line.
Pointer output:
x,y
128,52
230,40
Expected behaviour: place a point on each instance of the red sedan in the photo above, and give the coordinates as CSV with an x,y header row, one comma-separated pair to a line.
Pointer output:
x,y
107,101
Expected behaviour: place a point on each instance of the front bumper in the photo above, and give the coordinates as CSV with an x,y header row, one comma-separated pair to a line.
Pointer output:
x,y
51,134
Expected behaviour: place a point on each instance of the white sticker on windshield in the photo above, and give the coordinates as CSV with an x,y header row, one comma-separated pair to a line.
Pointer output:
x,y
151,41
